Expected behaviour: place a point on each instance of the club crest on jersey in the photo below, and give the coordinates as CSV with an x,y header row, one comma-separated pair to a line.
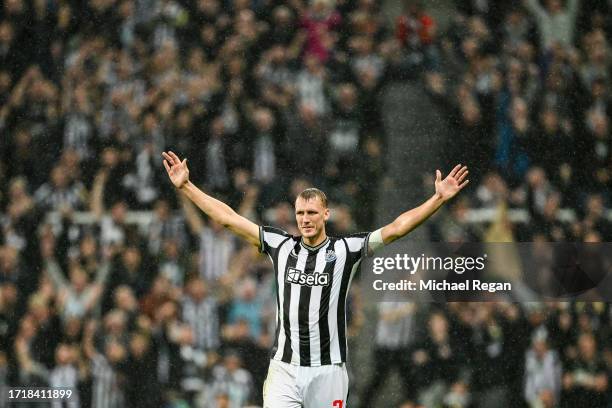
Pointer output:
x,y
330,255
300,278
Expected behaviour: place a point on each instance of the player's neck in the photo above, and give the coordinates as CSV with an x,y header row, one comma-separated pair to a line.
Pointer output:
x,y
316,240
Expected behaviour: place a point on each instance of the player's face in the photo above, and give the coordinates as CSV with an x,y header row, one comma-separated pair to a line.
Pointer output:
x,y
310,216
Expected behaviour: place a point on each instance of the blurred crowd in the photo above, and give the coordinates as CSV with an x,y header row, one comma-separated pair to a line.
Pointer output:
x,y
265,98
525,87
532,355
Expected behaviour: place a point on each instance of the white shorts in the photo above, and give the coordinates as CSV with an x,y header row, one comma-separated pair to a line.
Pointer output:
x,y
293,386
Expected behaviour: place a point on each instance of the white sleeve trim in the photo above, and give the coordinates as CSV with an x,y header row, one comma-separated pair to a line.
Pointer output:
x,y
375,241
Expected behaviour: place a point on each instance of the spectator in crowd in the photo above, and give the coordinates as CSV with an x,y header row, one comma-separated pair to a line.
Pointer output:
x,y
143,389
320,22
542,372
233,381
416,31
436,360
395,334
586,379
216,244
107,370
65,374
555,22
76,297
247,307
200,311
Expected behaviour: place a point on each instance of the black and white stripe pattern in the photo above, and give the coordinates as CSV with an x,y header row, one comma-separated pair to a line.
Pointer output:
x,y
172,229
217,173
216,249
311,91
79,134
264,159
312,286
65,376
203,318
53,199
106,391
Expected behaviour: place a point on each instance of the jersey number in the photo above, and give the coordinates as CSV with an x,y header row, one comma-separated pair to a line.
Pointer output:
x,y
338,403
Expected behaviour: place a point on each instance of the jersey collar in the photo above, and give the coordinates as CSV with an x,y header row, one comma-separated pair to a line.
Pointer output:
x,y
313,248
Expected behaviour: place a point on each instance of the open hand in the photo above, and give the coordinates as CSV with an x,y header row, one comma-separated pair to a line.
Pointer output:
x,y
177,170
453,183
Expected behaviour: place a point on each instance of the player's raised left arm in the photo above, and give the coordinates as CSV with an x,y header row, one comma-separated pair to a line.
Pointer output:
x,y
445,190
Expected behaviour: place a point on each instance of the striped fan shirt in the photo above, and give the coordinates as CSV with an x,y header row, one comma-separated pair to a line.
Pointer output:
x,y
312,285
107,392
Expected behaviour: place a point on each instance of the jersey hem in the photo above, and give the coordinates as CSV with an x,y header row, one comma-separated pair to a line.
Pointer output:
x,y
309,365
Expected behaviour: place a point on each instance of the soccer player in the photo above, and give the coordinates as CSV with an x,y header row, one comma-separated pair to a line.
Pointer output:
x,y
313,274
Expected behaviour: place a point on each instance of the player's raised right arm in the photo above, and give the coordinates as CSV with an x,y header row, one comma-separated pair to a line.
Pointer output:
x,y
215,209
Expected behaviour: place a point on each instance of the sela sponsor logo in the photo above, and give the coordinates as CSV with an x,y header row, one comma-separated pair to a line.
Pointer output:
x,y
300,278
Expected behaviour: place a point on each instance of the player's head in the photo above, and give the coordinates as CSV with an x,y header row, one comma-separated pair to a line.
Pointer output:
x,y
311,212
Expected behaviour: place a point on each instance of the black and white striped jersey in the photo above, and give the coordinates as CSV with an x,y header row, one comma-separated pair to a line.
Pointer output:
x,y
312,285
107,392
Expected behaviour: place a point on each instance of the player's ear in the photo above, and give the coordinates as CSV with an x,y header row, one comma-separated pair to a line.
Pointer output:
x,y
326,214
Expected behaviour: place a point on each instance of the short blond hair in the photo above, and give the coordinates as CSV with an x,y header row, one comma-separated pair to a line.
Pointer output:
x,y
310,193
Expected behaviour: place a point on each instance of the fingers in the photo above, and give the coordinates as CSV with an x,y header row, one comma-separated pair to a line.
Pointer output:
x,y
185,164
463,184
172,159
461,170
167,166
438,175
462,174
168,158
454,170
175,157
